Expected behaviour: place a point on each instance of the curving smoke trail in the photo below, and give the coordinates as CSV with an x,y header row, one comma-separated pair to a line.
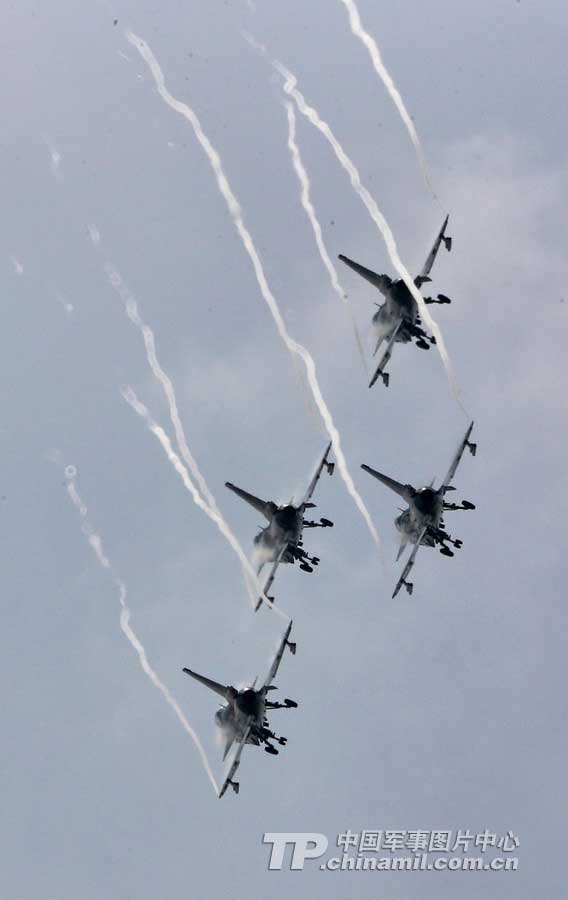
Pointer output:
x,y
235,212
309,209
369,42
132,311
290,88
208,504
96,544
251,580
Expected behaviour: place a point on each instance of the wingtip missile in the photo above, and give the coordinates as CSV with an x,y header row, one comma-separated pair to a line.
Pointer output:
x,y
446,238
471,445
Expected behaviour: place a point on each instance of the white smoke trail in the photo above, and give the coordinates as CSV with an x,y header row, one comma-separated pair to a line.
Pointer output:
x,y
385,76
309,209
209,505
251,580
163,379
236,214
290,88
96,544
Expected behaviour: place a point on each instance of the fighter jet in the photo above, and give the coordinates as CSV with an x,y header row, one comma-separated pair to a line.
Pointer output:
x,y
281,540
243,718
397,319
422,523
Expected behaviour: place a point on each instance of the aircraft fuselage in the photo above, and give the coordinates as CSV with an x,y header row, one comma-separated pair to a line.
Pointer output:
x,y
425,509
234,718
399,303
285,527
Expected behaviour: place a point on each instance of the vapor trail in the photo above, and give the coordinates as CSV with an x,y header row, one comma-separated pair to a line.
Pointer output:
x,y
251,580
163,379
236,214
313,116
309,209
209,505
385,76
96,544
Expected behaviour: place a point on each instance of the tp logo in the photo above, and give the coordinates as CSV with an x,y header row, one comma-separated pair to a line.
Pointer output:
x,y
306,844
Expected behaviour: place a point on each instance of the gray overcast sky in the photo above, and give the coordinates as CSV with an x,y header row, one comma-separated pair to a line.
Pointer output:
x,y
444,710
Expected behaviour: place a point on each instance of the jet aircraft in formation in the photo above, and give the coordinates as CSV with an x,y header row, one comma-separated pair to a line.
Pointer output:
x,y
397,320
422,523
242,719
281,541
